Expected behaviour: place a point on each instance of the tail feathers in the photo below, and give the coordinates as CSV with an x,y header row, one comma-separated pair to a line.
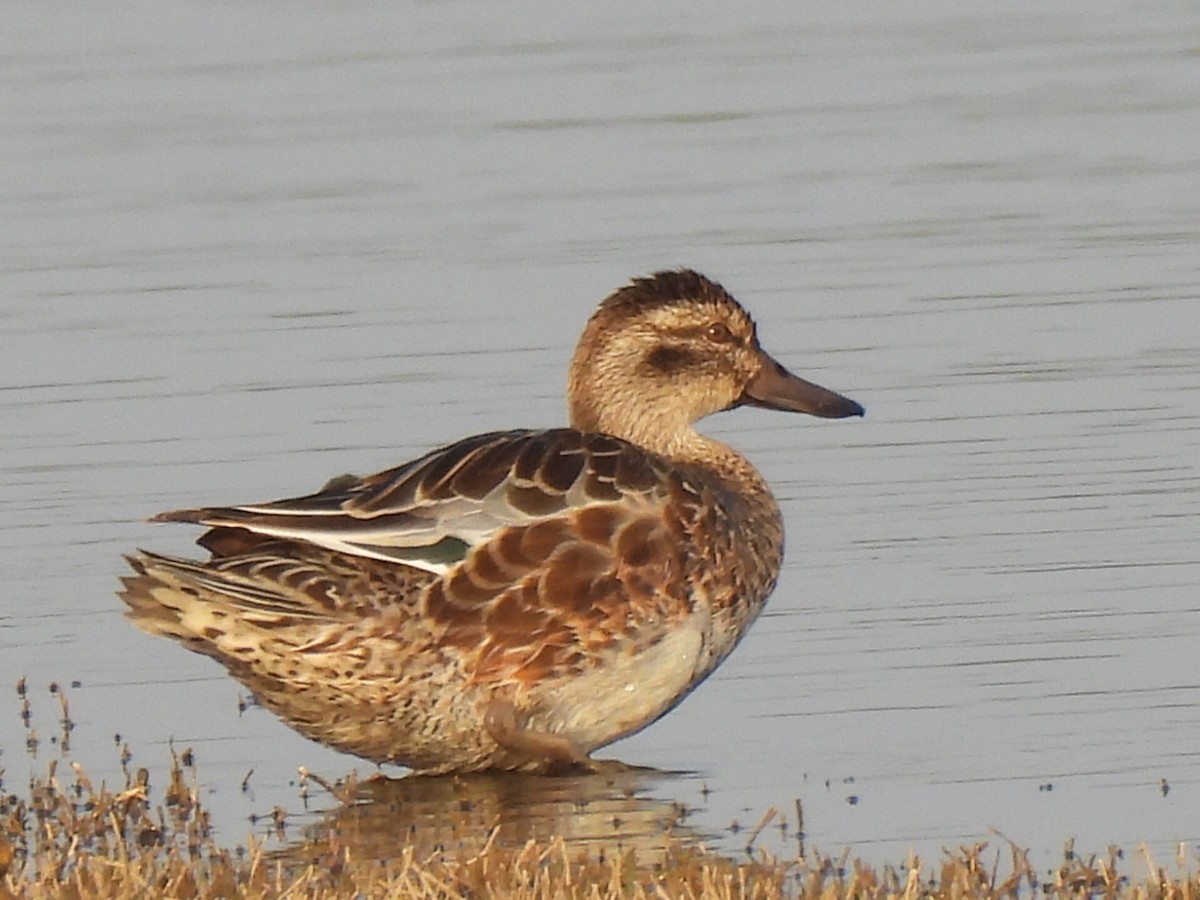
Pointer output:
x,y
158,605
220,615
198,604
271,619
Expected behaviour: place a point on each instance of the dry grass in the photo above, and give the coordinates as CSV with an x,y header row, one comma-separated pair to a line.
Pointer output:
x,y
67,838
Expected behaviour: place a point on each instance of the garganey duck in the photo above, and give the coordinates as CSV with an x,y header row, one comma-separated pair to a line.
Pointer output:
x,y
517,599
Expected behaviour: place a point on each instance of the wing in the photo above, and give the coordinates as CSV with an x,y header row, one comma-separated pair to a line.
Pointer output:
x,y
432,512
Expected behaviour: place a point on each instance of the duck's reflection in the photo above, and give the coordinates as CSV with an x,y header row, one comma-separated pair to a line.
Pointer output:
x,y
463,815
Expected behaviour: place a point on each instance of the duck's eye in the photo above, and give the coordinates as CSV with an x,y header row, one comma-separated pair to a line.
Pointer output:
x,y
719,333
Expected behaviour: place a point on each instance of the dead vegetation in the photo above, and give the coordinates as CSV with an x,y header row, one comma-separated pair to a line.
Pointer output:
x,y
65,837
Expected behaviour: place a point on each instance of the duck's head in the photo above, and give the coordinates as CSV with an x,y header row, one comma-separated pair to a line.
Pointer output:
x,y
666,350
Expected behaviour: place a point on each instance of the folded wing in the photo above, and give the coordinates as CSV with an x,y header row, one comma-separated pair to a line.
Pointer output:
x,y
431,512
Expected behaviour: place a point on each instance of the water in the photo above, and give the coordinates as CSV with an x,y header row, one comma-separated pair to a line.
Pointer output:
x,y
242,254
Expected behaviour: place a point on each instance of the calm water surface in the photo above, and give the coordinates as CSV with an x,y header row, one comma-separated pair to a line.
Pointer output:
x,y
242,254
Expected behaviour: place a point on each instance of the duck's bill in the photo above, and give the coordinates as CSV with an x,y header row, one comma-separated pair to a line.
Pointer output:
x,y
776,388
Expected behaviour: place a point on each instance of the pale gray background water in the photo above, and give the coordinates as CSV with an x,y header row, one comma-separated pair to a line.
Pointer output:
x,y
245,249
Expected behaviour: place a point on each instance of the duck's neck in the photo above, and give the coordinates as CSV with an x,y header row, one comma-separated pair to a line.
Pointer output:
x,y
678,441
733,468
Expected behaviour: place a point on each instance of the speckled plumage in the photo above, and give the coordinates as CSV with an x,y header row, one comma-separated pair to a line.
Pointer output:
x,y
517,599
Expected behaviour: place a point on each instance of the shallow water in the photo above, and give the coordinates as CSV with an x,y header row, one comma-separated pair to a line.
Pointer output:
x,y
244,254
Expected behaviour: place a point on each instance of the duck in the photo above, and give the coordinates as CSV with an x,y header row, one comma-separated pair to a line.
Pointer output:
x,y
515,600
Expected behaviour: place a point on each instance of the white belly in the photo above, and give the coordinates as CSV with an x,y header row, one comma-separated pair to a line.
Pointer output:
x,y
626,692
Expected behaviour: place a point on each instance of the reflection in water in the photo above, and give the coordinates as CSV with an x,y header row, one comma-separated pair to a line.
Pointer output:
x,y
601,814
